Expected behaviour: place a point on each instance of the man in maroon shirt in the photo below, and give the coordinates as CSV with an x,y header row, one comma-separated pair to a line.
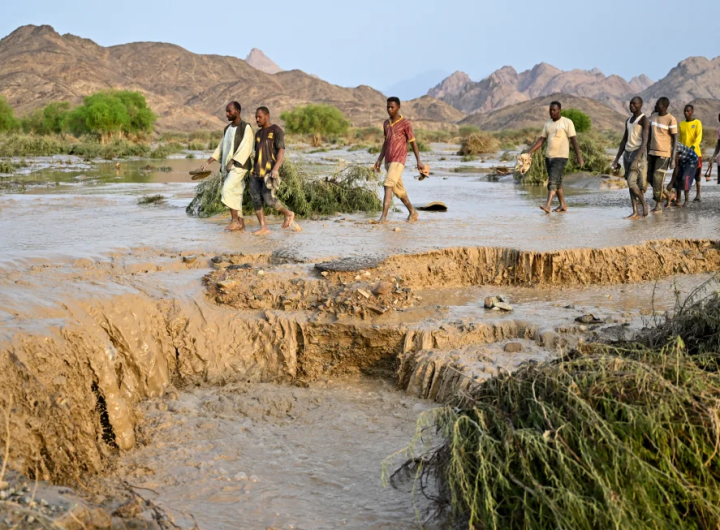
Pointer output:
x,y
398,133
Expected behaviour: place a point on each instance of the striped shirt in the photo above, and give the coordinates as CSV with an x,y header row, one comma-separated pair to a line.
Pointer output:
x,y
661,130
397,137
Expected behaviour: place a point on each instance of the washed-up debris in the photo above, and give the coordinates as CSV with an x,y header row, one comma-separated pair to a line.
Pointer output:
x,y
513,347
435,206
589,319
499,302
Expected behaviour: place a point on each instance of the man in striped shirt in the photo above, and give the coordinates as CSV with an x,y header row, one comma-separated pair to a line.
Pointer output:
x,y
661,149
398,134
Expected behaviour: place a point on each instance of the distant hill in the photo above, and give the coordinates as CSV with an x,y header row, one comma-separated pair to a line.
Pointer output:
x,y
416,86
534,113
188,91
507,87
257,59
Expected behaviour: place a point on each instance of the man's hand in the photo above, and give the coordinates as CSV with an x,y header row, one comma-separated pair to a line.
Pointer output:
x,y
615,166
581,162
376,167
634,165
420,166
229,166
274,174
671,164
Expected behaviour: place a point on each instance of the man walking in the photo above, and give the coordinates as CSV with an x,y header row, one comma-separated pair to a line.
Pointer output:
x,y
714,158
691,134
233,152
662,146
398,133
686,163
265,178
558,132
634,146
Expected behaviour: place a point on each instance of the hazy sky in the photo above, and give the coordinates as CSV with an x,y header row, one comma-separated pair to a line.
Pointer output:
x,y
379,43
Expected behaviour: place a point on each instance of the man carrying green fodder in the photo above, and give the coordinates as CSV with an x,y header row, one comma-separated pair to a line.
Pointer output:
x,y
558,132
233,152
265,177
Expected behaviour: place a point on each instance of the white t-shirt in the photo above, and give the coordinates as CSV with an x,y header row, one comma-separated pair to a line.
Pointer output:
x,y
557,134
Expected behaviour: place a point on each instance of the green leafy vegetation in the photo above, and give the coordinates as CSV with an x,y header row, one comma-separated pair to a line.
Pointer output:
x,y
350,190
317,120
53,119
513,138
422,146
468,158
582,121
8,121
151,199
113,113
466,130
19,145
621,436
167,149
479,144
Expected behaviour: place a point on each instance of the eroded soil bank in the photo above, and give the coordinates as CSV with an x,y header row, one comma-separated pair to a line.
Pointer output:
x,y
113,365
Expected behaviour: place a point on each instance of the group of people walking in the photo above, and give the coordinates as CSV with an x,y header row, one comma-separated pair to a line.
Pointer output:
x,y
650,148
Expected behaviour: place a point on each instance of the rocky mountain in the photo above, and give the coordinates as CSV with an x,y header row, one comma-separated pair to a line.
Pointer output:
x,y
257,59
188,91
693,78
534,113
506,87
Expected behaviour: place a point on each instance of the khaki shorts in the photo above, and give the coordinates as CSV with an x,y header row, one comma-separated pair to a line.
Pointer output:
x,y
394,179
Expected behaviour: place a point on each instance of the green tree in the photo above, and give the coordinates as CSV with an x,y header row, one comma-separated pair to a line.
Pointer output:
x,y
318,120
581,120
113,113
8,121
53,119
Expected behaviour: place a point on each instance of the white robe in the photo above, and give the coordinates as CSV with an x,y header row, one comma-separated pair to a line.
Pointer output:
x,y
234,185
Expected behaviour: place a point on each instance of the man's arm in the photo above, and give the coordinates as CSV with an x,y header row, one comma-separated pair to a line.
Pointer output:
x,y
576,147
378,164
621,149
674,150
674,175
417,154
215,156
645,123
276,168
537,145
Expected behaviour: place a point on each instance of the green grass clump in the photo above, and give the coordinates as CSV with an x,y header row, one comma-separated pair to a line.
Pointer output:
x,y
7,167
375,149
151,199
479,144
31,145
513,138
616,436
468,158
197,146
349,190
466,130
357,147
21,145
422,147
120,148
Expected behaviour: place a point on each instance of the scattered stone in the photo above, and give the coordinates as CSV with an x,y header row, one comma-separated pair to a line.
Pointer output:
x,y
227,285
513,347
352,264
376,309
324,273
503,306
396,229
239,266
240,476
3,485
364,293
588,319
489,302
383,288
189,259
261,272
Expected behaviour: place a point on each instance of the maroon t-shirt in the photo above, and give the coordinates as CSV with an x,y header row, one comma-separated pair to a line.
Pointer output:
x,y
397,136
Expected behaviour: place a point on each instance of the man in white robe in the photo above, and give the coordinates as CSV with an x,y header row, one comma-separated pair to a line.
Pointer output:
x,y
233,152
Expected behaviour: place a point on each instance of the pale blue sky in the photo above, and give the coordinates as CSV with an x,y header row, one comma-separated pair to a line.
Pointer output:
x,y
380,43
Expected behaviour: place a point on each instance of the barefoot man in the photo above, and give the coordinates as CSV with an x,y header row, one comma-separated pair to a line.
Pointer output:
x,y
233,153
265,178
398,133
661,148
559,132
686,164
690,133
634,145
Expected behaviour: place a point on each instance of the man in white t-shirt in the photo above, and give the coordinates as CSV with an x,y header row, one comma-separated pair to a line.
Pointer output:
x,y
558,132
233,152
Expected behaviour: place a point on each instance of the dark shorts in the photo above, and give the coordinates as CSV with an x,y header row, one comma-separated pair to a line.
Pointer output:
x,y
687,172
556,169
260,193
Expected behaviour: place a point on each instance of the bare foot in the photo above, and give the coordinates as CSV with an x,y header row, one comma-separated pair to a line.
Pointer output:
x,y
413,217
261,231
656,210
545,209
382,221
234,226
561,209
633,215
683,205
646,210
696,199
289,220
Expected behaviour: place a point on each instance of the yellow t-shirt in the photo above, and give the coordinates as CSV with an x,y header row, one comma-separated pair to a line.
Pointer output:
x,y
558,134
691,134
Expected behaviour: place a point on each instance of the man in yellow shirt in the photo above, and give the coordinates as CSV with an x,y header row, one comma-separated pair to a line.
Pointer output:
x,y
691,134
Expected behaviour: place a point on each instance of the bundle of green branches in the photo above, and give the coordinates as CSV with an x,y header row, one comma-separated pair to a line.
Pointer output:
x,y
610,439
352,189
479,143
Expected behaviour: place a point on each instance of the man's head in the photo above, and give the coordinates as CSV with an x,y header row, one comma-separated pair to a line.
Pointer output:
x,y
555,109
232,111
393,106
689,111
636,104
662,105
262,116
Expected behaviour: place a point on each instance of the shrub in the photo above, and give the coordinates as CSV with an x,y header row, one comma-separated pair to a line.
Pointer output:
x,y
113,112
368,134
581,120
31,145
197,146
478,144
165,150
512,138
466,130
317,120
8,121
53,119
422,147
151,199
592,147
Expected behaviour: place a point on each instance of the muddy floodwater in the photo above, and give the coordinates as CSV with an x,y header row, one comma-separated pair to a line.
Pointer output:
x,y
244,382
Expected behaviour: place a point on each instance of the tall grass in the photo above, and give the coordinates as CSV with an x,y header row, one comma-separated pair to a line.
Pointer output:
x,y
479,143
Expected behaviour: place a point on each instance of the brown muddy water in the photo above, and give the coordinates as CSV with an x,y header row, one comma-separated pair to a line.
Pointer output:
x,y
251,391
